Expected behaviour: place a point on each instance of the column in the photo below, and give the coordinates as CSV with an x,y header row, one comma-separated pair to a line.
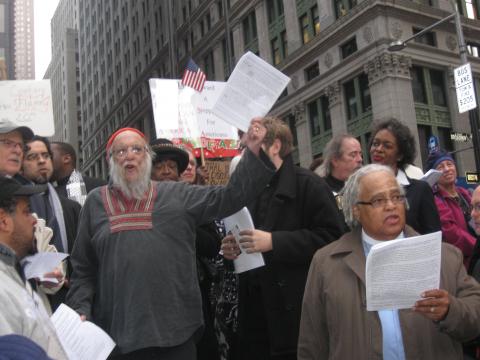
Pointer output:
x,y
391,91
303,135
326,11
337,111
238,42
218,62
292,26
262,31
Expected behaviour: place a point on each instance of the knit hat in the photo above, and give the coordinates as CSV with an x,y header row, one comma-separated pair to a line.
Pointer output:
x,y
17,347
118,132
165,150
437,157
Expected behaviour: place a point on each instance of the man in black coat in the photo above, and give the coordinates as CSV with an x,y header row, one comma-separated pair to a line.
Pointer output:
x,y
68,181
294,216
60,213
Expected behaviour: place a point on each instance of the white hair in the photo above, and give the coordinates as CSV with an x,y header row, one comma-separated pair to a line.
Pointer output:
x,y
351,190
135,189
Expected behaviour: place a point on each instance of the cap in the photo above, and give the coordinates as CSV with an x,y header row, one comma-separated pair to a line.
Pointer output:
x,y
7,126
165,149
435,158
118,132
17,347
11,187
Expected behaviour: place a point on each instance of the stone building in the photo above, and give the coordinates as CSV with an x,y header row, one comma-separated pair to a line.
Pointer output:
x,y
335,52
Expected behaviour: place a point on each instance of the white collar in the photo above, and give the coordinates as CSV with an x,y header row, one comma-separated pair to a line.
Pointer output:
x,y
371,241
402,178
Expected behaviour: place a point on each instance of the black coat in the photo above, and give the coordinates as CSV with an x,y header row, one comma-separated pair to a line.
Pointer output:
x,y
90,184
422,214
302,217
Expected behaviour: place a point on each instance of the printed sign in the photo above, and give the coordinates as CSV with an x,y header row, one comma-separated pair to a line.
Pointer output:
x,y
27,103
464,87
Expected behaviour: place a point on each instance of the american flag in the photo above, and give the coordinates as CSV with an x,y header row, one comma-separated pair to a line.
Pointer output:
x,y
193,76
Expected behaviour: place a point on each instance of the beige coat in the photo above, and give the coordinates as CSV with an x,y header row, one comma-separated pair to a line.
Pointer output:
x,y
336,325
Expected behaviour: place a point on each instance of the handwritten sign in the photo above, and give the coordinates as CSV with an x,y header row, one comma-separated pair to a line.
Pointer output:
x,y
217,171
27,103
181,112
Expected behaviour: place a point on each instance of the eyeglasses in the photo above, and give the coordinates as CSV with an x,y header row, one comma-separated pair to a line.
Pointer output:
x,y
122,153
382,202
38,156
476,207
11,144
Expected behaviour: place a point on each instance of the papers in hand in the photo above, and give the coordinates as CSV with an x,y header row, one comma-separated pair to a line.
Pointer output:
x,y
235,223
251,90
37,265
431,177
398,271
81,340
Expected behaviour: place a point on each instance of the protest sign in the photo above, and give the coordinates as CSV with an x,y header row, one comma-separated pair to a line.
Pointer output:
x,y
217,171
27,103
184,116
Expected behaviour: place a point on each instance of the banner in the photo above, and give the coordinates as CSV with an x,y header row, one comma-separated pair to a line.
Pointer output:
x,y
184,116
27,103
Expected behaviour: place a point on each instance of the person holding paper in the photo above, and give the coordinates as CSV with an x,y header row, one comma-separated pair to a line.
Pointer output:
x,y
22,312
335,323
392,144
134,266
294,216
453,204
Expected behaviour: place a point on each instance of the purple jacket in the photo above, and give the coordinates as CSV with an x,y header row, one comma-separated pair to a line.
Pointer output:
x,y
454,226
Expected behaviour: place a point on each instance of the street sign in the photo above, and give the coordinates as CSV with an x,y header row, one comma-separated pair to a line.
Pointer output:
x,y
464,87
460,137
471,177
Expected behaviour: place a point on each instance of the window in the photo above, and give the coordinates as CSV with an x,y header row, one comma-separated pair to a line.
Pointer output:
x,y
342,7
468,8
428,38
312,72
209,66
276,56
349,48
249,29
290,120
428,86
274,10
309,20
357,97
473,49
319,116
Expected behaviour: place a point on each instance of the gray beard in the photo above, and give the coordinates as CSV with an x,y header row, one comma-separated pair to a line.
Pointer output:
x,y
136,189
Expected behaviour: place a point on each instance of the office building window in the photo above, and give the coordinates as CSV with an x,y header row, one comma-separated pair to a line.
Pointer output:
x,y
309,20
357,97
319,116
427,38
349,48
312,72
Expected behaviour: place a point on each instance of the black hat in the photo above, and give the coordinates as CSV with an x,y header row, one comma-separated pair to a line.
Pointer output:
x,y
165,149
11,188
7,126
17,347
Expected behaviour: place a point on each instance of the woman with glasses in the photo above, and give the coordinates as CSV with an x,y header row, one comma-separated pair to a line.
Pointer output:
x,y
393,145
453,204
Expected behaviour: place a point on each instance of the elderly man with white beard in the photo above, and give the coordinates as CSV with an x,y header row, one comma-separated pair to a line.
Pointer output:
x,y
134,268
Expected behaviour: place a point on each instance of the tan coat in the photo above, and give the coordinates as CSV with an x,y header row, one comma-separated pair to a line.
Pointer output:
x,y
336,325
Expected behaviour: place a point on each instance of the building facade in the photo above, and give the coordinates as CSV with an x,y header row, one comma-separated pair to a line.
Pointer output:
x,y
335,51
7,68
64,74
24,40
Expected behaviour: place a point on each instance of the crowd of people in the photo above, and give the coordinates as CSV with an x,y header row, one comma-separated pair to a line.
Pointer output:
x,y
152,265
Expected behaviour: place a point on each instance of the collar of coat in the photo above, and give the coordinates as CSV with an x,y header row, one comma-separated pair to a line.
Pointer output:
x,y
287,180
350,247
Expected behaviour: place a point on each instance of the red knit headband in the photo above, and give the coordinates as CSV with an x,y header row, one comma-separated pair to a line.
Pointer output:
x,y
118,132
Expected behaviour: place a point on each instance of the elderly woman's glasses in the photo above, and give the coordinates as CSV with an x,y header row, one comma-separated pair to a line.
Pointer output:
x,y
382,202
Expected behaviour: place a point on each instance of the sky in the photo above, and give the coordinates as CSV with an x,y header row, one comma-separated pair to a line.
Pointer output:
x,y
43,13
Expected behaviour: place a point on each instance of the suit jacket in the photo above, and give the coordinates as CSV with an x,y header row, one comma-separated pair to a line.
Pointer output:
x,y
336,325
302,217
422,214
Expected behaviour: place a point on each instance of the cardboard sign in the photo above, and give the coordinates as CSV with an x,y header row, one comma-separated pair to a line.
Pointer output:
x,y
27,103
184,116
217,171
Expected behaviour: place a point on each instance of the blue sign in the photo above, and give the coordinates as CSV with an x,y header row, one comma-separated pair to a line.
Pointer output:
x,y
433,144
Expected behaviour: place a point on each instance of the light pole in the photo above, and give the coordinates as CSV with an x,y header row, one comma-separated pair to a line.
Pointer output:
x,y
462,48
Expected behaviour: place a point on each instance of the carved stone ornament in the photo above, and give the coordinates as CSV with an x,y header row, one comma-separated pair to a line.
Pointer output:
x,y
367,34
396,30
451,42
388,64
328,60
299,112
333,93
294,82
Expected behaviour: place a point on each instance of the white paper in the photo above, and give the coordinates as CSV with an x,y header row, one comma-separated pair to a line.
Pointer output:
x,y
182,112
398,271
35,266
235,223
432,176
82,340
27,103
251,90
